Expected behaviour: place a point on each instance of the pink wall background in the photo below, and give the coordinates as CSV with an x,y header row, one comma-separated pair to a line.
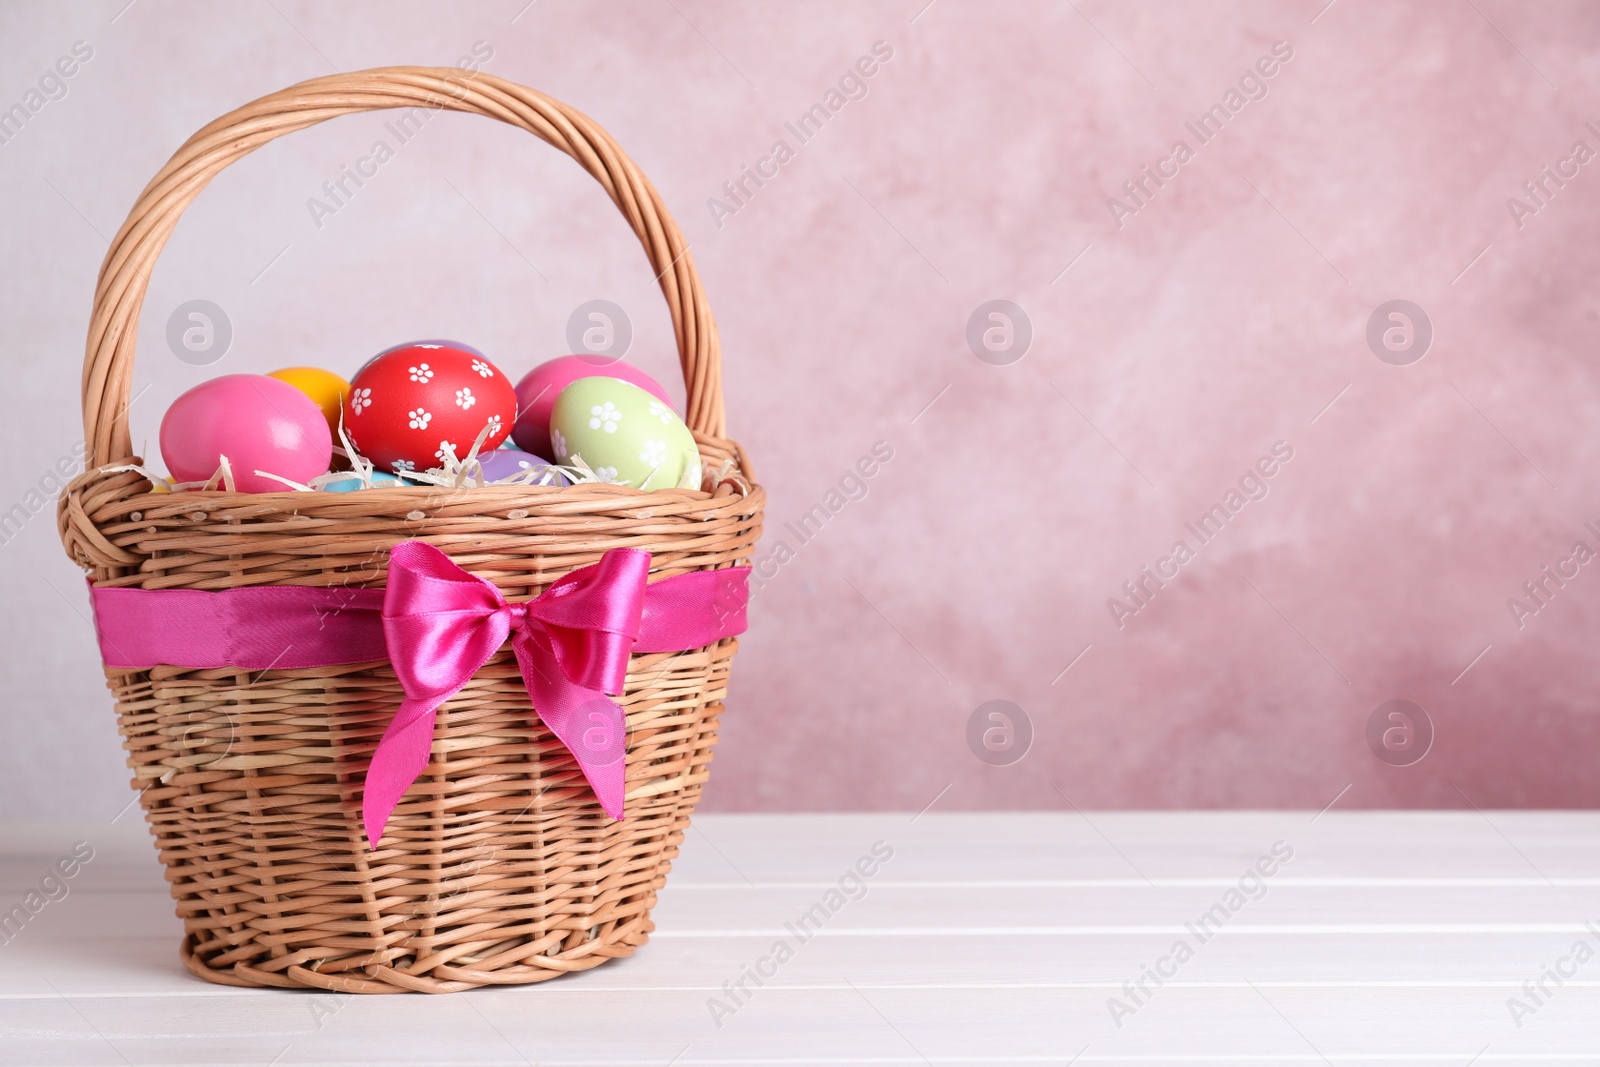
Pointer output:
x,y
1169,354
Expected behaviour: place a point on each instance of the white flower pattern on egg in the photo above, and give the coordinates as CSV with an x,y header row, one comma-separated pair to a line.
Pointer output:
x,y
483,369
419,418
660,411
494,425
360,400
655,453
605,416
403,465
464,398
608,476
447,450
558,443
421,373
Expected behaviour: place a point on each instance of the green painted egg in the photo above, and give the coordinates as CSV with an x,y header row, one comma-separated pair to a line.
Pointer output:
x,y
624,434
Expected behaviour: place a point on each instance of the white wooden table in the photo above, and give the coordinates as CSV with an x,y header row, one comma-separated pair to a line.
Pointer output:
x,y
984,939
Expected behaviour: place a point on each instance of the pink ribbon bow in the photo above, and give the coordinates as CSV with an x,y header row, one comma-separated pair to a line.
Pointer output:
x,y
439,625
572,643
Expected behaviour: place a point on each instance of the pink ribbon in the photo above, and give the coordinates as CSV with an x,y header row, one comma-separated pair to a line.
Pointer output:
x,y
439,625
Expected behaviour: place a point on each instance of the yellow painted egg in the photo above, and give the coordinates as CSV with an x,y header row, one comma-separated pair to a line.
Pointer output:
x,y
326,389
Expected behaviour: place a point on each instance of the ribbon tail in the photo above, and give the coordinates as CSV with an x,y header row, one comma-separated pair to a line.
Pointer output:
x,y
590,724
401,756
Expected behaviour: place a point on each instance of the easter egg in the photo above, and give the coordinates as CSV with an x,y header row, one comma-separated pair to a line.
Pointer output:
x,y
259,423
508,462
326,389
351,483
413,404
624,434
538,389
441,342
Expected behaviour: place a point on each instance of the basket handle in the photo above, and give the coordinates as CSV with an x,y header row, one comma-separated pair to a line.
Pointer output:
x,y
125,273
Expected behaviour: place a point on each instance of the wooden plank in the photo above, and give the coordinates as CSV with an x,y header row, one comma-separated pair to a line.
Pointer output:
x,y
809,1026
958,912
149,966
1029,847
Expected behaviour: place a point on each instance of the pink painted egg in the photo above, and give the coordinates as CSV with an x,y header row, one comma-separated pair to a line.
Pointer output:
x,y
537,392
259,423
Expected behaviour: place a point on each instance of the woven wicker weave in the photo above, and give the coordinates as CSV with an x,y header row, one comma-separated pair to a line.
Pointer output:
x,y
499,866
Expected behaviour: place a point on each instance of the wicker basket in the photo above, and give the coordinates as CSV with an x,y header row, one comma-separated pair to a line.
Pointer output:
x,y
499,866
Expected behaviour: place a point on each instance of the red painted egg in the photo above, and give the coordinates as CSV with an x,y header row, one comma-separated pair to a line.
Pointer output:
x,y
410,404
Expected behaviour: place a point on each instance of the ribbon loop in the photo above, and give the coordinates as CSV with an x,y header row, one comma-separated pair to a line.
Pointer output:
x,y
591,618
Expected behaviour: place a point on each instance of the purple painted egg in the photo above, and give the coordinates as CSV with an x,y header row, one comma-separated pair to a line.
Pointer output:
x,y
537,392
259,423
505,462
